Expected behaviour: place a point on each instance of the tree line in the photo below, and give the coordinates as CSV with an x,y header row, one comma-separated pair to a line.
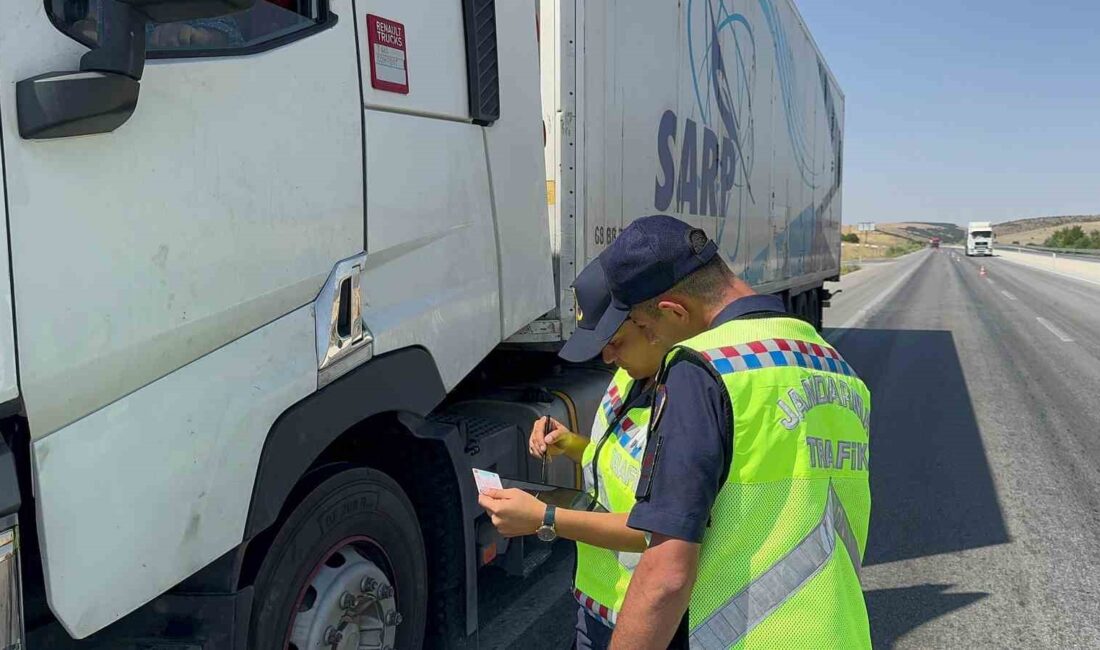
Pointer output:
x,y
1073,237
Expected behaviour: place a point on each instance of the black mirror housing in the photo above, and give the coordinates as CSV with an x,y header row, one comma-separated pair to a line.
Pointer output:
x,y
103,95
64,104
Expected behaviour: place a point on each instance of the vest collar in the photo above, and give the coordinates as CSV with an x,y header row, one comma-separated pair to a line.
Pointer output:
x,y
749,305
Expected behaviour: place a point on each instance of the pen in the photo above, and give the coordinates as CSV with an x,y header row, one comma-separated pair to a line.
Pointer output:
x,y
546,452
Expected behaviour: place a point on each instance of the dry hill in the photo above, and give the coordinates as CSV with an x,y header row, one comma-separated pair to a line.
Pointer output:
x,y
921,232
1014,230
1024,231
1039,236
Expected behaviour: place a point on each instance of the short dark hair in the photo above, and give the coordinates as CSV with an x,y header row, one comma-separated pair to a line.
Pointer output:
x,y
704,285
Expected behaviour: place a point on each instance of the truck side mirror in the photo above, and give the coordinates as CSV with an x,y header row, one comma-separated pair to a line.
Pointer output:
x,y
103,94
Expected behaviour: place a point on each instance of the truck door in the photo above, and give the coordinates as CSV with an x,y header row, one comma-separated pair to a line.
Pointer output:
x,y
218,208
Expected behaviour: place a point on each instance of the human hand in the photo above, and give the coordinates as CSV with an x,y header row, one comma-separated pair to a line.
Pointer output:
x,y
513,511
553,444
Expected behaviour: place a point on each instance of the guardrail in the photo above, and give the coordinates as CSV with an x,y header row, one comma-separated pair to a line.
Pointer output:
x,y
1084,252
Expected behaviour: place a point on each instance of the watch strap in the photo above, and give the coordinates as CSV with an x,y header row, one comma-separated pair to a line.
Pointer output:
x,y
548,517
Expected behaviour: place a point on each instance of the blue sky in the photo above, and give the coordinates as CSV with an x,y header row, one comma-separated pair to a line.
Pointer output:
x,y
966,109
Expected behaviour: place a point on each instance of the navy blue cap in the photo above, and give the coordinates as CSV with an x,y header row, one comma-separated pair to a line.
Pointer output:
x,y
651,255
597,318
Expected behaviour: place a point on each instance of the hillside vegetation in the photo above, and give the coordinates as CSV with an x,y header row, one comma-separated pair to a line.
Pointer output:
x,y
1049,224
1074,237
921,232
1035,231
877,244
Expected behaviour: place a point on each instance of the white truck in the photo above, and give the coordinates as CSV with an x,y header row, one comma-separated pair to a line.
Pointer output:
x,y
281,272
979,239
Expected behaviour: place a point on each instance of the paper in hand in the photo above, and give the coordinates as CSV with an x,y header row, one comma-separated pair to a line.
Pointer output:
x,y
486,480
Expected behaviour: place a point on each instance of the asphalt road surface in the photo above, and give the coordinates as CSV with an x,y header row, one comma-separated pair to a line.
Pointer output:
x,y
985,526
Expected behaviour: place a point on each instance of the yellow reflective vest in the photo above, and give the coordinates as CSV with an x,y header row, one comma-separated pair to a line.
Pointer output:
x,y
612,465
779,565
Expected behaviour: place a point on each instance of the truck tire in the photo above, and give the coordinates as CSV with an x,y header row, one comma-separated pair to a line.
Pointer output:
x,y
349,561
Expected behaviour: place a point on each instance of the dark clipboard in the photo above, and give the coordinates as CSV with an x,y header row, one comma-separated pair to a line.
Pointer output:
x,y
555,495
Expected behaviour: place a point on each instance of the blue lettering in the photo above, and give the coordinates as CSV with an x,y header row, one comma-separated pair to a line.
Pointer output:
x,y
687,193
709,190
704,176
666,137
729,171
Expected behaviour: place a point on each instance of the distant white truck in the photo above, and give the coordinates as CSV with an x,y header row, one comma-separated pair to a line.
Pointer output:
x,y
979,238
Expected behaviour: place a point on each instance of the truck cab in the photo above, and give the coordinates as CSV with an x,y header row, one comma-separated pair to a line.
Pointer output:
x,y
979,239
237,230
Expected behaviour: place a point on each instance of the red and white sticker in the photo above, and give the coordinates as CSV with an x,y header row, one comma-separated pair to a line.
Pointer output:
x,y
389,69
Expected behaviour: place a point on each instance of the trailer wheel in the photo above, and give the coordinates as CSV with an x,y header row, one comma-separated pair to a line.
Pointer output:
x,y
346,570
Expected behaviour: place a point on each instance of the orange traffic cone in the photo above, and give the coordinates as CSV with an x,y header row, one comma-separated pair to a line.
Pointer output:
x,y
982,272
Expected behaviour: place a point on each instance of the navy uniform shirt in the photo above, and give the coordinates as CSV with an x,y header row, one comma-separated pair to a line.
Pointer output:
x,y
696,440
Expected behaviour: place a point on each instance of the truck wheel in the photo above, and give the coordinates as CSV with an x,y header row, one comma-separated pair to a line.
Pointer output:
x,y
346,570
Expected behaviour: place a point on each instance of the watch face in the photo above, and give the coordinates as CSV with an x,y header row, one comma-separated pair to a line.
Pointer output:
x,y
547,533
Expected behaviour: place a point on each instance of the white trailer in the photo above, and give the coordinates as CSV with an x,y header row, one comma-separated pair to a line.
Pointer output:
x,y
979,239
722,114
279,273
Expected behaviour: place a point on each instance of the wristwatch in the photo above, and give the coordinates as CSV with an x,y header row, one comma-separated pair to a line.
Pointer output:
x,y
547,532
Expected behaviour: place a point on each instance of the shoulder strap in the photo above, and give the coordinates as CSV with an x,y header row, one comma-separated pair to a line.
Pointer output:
x,y
680,354
629,401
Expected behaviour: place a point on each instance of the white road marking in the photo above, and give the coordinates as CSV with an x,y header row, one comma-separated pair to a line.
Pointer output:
x,y
837,334
1009,295
1054,330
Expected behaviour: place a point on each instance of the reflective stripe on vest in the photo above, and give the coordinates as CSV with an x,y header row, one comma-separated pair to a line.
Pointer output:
x,y
602,575
777,352
725,627
601,613
771,573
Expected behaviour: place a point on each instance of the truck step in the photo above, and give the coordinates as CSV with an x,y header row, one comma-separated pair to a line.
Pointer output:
x,y
488,442
537,554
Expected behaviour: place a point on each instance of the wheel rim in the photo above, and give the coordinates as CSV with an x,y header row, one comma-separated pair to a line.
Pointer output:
x,y
348,603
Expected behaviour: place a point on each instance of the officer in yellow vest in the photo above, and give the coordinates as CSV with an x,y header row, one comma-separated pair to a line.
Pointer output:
x,y
607,550
754,484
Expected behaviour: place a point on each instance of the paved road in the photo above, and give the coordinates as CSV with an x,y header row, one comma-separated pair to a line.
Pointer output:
x,y
1079,267
985,530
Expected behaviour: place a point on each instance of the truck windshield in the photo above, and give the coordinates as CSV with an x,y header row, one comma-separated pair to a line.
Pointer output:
x,y
982,233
